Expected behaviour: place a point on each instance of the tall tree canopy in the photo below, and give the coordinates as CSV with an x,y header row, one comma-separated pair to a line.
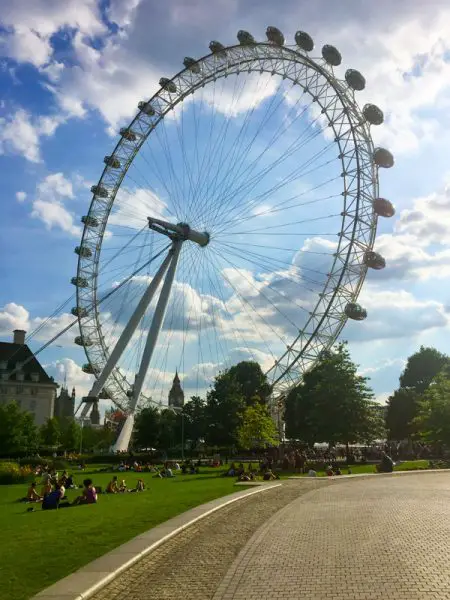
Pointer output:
x,y
18,433
401,411
51,432
194,413
422,367
335,403
146,429
433,418
252,381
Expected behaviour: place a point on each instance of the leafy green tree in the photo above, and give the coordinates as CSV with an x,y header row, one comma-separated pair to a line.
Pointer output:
x,y
51,432
169,434
336,404
257,429
70,434
146,429
401,412
194,413
422,367
224,405
252,381
298,415
433,418
18,433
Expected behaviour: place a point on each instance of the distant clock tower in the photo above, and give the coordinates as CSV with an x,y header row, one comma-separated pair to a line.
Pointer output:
x,y
176,394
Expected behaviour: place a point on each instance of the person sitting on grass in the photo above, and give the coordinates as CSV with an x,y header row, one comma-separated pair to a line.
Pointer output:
x,y
69,483
52,501
269,475
46,488
123,487
386,465
112,487
32,495
168,472
89,495
140,487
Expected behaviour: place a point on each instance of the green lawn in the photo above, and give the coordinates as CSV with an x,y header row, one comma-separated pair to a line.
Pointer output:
x,y
41,547
410,465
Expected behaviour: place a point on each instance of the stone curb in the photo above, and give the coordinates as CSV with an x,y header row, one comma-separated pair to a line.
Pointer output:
x,y
89,579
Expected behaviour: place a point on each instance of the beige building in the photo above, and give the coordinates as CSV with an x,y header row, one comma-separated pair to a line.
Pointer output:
x,y
23,379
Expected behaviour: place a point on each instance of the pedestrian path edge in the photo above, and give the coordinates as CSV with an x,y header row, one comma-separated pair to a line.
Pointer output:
x,y
89,579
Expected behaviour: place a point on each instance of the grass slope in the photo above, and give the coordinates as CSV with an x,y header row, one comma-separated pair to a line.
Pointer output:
x,y
41,547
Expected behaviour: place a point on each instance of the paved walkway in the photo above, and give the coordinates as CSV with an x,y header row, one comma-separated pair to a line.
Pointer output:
x,y
370,539
378,538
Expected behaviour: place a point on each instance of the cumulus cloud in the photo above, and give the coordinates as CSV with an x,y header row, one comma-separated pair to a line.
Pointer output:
x,y
66,369
48,205
21,196
20,133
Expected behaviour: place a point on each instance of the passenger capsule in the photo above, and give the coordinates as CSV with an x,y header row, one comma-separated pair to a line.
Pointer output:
x,y
355,311
168,85
373,114
304,41
383,158
374,260
80,341
112,161
83,251
146,108
79,311
89,369
216,47
80,282
383,207
275,36
331,55
355,80
245,38
104,395
99,190
191,64
89,221
127,134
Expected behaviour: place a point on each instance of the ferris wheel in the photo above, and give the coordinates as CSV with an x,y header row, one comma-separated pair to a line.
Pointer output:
x,y
235,218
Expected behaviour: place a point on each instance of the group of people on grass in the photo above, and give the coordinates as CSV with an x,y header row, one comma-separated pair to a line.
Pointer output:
x,y
114,487
53,491
251,473
167,470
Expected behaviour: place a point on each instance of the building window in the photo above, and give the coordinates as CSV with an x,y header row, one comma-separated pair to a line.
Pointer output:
x,y
34,391
33,405
35,377
3,390
20,376
19,389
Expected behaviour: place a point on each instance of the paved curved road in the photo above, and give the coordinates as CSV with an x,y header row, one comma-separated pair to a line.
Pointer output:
x,y
378,538
374,538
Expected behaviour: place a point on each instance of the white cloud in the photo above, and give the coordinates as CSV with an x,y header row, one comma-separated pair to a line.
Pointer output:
x,y
48,205
20,133
66,369
21,196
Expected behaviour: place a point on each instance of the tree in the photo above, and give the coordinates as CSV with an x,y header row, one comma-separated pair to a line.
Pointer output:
x,y
194,413
257,429
422,367
298,416
18,433
70,434
433,418
146,428
401,412
336,403
224,405
50,432
252,381
169,434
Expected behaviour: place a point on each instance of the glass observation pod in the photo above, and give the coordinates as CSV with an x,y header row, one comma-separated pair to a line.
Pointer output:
x,y
275,36
80,282
355,311
383,207
245,38
89,221
146,108
216,47
304,41
99,190
83,251
383,158
191,64
128,135
355,80
374,260
168,85
80,312
331,55
373,114
80,341
89,369
112,161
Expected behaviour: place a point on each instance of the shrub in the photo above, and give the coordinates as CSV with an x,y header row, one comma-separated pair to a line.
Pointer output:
x,y
11,472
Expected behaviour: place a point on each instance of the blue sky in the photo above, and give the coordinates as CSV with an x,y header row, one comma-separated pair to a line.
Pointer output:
x,y
71,75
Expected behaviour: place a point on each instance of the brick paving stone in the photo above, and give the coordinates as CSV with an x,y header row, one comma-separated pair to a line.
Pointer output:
x,y
371,539
191,565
